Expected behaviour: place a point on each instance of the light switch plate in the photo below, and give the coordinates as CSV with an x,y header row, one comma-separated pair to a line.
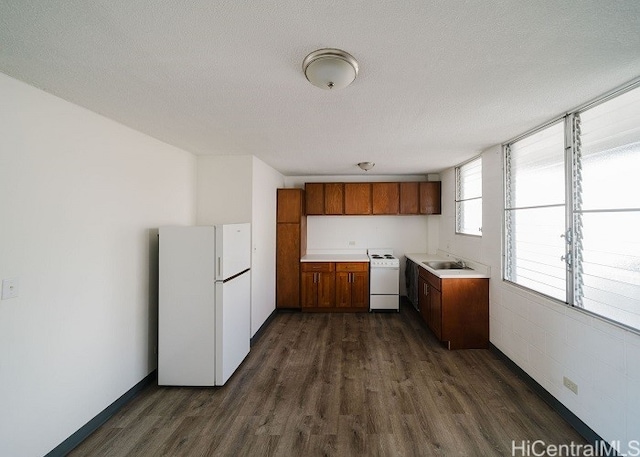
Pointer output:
x,y
10,288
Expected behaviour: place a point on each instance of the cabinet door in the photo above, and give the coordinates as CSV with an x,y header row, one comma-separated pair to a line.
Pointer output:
x,y
314,196
435,311
309,289
290,204
343,289
334,198
385,197
360,289
357,198
423,299
326,290
409,198
430,197
288,266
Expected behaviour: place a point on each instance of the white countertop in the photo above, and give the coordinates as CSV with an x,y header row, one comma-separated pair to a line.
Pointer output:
x,y
479,270
335,258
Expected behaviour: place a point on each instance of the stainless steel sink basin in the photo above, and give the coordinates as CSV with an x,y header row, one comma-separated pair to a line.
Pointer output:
x,y
445,265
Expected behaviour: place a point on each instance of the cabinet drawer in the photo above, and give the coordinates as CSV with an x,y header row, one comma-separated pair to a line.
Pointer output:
x,y
434,281
352,266
317,266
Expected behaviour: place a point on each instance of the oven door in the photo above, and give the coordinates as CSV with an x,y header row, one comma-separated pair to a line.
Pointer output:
x,y
384,281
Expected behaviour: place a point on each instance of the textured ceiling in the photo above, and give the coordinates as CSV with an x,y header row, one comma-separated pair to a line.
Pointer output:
x,y
439,80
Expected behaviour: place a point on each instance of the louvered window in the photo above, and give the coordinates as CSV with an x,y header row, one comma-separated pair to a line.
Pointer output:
x,y
535,212
572,209
469,197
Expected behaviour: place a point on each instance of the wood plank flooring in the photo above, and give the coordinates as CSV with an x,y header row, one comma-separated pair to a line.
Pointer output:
x,y
340,385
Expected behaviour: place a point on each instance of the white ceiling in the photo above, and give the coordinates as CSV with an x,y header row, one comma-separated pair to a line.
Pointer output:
x,y
439,80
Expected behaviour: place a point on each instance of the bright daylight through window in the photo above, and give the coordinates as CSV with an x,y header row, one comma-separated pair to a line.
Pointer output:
x,y
469,197
572,209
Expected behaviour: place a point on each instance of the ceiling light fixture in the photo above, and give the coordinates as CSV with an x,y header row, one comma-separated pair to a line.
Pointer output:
x,y
366,166
330,68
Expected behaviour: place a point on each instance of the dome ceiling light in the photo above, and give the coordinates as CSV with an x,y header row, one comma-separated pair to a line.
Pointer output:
x,y
330,68
366,166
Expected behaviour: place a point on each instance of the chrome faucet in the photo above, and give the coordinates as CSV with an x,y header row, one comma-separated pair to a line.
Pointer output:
x,y
461,263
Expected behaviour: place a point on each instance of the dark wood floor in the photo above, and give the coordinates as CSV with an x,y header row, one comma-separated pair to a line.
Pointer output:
x,y
343,385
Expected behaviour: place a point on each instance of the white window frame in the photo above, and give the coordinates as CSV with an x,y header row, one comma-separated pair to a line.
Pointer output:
x,y
572,210
458,192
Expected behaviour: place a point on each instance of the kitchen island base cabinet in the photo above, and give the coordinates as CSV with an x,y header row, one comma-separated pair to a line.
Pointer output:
x,y
456,310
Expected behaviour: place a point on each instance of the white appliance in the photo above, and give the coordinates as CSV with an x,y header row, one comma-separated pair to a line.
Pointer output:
x,y
384,280
204,307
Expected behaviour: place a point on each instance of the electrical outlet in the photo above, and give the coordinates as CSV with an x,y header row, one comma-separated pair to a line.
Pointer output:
x,y
569,384
352,243
10,288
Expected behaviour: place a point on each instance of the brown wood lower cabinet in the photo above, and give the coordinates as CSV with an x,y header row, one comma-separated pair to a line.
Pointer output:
x,y
455,309
335,286
352,285
318,285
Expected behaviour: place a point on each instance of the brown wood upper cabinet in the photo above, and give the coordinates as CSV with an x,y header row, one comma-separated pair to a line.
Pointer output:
x,y
430,197
290,205
315,198
385,197
334,198
366,198
324,198
409,198
357,198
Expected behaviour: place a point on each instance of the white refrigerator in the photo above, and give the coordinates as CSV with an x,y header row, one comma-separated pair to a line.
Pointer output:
x,y
204,303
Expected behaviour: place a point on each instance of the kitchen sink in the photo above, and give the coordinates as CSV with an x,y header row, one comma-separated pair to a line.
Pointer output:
x,y
445,265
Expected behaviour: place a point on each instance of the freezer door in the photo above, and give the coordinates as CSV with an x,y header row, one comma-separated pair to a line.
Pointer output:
x,y
233,325
233,249
186,311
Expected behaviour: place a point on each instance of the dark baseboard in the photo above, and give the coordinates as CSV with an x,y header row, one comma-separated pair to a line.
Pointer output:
x,y
583,429
265,324
87,429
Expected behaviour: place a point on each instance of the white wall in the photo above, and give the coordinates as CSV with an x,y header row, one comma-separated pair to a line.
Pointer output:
x,y
546,339
80,198
403,234
266,181
224,189
243,189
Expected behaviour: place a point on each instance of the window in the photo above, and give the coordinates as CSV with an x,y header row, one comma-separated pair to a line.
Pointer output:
x,y
469,198
572,209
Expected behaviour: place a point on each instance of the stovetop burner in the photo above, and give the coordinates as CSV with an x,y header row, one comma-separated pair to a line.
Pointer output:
x,y
382,258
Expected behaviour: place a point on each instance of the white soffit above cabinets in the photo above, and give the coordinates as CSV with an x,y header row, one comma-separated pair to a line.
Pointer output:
x,y
438,81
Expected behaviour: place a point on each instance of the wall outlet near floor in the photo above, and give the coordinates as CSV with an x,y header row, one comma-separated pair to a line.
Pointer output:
x,y
352,243
569,384
10,288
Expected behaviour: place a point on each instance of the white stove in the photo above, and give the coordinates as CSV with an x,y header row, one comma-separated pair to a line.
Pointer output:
x,y
383,260
384,280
